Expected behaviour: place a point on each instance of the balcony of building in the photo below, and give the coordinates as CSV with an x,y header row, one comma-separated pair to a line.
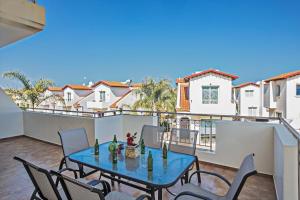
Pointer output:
x,y
222,143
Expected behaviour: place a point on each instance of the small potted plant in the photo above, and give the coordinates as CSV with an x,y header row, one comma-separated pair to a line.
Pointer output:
x,y
131,148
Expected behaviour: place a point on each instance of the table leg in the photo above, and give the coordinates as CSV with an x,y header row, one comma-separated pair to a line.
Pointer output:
x,y
186,177
198,168
159,194
152,193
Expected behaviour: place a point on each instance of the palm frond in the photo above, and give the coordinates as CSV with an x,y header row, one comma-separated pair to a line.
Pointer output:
x,y
18,76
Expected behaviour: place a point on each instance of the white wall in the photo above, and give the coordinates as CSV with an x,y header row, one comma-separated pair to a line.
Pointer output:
x,y
246,102
235,140
111,93
44,126
11,117
128,100
225,105
285,164
120,125
292,101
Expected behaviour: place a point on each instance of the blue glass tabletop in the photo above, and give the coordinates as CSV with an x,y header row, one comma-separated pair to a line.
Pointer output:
x,y
165,171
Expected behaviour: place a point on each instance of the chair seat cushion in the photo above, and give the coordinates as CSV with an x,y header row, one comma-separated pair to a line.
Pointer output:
x,y
118,196
197,190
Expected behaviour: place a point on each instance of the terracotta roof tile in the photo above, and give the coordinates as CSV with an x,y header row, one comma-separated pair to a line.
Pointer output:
x,y
284,76
246,84
76,87
214,71
110,84
55,89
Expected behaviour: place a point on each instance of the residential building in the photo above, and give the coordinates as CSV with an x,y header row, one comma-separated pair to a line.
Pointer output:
x,y
282,96
107,95
20,19
247,98
208,91
52,98
72,93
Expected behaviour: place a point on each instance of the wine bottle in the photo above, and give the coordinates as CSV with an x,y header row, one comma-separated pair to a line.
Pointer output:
x,y
165,151
150,162
142,146
115,139
96,147
114,155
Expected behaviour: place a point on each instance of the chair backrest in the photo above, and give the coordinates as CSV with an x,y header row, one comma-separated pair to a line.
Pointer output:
x,y
77,190
42,181
183,140
73,140
247,169
152,135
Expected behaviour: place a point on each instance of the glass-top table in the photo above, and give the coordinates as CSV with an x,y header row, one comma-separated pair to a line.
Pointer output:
x,y
166,172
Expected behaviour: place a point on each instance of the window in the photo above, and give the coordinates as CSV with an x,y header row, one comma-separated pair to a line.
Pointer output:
x,y
252,111
102,96
69,97
210,94
186,92
277,90
298,90
249,93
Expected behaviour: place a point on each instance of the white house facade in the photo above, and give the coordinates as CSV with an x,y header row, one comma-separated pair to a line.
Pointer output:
x,y
247,98
206,92
52,102
107,95
282,96
73,93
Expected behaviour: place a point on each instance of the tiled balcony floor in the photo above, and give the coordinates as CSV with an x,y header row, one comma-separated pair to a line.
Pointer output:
x,y
15,183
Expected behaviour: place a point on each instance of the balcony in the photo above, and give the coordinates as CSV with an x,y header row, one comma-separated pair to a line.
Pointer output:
x,y
19,19
33,135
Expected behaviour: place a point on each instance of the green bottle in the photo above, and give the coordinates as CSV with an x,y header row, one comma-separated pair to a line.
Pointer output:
x,y
114,155
142,147
96,148
165,151
150,162
115,139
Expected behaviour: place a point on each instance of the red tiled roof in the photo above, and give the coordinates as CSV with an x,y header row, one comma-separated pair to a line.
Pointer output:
x,y
180,80
246,84
55,89
110,84
214,71
76,87
114,105
284,76
137,85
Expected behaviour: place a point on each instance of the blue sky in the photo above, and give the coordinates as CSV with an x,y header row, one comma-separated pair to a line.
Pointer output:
x,y
133,39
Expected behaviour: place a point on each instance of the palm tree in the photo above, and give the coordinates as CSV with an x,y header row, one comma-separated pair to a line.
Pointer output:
x,y
156,96
32,93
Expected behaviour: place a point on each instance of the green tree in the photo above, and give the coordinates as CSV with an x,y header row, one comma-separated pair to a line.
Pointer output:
x,y
156,96
32,93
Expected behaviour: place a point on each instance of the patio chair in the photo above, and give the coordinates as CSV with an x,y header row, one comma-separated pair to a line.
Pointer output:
x,y
77,190
44,185
74,140
152,135
190,191
184,141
